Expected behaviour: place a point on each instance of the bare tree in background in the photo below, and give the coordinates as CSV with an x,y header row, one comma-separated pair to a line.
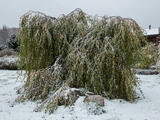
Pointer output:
x,y
4,34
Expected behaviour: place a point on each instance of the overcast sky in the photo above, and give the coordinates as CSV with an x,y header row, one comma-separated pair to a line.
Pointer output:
x,y
145,12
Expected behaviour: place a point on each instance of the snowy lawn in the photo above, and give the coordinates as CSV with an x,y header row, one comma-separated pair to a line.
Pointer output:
x,y
147,108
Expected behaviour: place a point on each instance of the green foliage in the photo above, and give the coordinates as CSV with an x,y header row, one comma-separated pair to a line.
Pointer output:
x,y
148,56
92,53
101,61
36,49
41,82
45,38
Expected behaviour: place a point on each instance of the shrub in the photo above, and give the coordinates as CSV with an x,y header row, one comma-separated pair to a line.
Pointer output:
x,y
148,56
91,53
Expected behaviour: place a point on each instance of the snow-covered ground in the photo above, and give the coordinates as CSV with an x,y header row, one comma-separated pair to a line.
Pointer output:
x,y
9,59
147,108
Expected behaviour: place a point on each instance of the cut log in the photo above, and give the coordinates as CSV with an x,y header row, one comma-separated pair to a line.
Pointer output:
x,y
146,71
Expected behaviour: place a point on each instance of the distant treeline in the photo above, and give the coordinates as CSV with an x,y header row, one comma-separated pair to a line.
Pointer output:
x,y
5,32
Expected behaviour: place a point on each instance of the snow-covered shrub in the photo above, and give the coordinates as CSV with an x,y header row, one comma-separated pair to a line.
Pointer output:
x,y
9,62
158,59
91,53
148,56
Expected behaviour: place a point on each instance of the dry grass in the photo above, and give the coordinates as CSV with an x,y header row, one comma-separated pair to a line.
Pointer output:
x,y
7,52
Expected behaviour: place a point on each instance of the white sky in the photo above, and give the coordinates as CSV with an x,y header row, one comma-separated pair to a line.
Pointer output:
x,y
145,12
